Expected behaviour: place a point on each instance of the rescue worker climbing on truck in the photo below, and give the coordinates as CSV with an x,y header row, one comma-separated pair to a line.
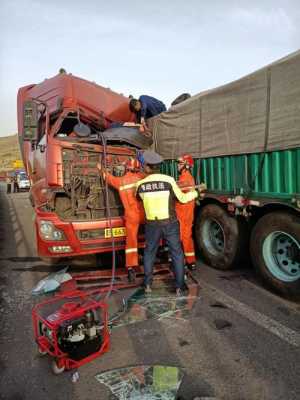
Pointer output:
x,y
158,193
146,107
185,212
133,209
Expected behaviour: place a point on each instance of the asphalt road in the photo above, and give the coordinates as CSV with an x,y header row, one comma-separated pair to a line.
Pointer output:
x,y
256,356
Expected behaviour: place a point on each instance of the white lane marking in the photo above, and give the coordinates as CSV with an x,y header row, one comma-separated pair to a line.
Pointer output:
x,y
287,303
274,327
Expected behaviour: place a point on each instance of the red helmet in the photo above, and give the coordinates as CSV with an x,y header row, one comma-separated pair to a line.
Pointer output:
x,y
187,160
132,164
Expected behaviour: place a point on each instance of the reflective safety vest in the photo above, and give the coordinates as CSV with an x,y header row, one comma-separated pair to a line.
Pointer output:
x,y
158,193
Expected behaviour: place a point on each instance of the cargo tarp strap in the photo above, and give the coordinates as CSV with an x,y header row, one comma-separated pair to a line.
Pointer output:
x,y
198,174
268,104
267,132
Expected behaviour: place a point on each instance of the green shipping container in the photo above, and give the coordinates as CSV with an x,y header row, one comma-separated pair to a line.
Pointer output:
x,y
263,189
274,175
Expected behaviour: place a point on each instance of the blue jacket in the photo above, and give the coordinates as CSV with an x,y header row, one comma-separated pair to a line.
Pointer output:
x,y
151,106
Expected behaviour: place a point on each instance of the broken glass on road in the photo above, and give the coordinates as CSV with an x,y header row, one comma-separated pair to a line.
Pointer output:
x,y
162,305
143,382
51,282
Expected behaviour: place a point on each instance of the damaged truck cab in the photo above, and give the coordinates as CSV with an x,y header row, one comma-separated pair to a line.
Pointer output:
x,y
61,125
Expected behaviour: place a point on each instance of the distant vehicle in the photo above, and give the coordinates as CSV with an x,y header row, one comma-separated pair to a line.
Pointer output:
x,y
23,182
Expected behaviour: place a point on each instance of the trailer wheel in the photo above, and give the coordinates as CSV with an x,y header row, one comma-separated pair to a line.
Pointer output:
x,y
56,368
275,252
221,239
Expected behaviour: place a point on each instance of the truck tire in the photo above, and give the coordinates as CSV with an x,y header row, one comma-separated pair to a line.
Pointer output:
x,y
275,252
221,239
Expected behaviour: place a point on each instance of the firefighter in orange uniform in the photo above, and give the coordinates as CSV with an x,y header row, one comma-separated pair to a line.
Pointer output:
x,y
185,212
133,210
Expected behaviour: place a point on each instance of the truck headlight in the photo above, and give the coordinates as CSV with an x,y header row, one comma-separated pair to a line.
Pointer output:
x,y
49,232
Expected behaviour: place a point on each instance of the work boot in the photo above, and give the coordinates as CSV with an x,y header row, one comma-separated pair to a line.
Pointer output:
x,y
192,266
148,289
131,275
183,291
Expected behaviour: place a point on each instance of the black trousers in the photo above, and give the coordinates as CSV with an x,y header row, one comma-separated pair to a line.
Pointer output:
x,y
170,232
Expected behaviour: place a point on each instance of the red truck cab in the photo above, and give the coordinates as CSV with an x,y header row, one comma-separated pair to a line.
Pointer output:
x,y
61,125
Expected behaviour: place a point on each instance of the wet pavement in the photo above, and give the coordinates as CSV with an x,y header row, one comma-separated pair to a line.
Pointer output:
x,y
232,340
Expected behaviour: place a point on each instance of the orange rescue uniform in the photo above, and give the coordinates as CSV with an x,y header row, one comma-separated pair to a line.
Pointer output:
x,y
185,215
133,211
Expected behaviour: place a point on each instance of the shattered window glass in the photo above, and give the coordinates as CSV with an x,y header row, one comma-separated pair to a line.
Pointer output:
x,y
162,305
143,382
51,282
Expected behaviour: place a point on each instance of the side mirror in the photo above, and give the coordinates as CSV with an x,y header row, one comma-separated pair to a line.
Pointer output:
x,y
30,121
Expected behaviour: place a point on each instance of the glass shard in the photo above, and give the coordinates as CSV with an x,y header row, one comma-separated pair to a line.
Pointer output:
x,y
51,282
161,305
143,382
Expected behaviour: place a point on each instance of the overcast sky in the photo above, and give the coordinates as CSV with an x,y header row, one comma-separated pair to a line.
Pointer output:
x,y
157,47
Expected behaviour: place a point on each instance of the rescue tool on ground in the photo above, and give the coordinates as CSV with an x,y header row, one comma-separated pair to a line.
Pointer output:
x,y
72,329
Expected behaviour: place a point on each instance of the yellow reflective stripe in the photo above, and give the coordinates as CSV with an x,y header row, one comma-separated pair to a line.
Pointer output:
x,y
129,186
156,204
132,250
189,254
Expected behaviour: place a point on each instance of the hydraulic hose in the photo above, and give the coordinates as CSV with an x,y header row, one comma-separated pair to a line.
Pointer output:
x,y
108,215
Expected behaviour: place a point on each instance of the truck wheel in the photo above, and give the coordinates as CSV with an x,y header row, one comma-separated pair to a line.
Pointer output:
x,y
275,252
221,239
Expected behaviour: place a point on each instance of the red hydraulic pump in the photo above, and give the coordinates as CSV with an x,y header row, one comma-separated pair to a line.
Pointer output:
x,y
72,328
